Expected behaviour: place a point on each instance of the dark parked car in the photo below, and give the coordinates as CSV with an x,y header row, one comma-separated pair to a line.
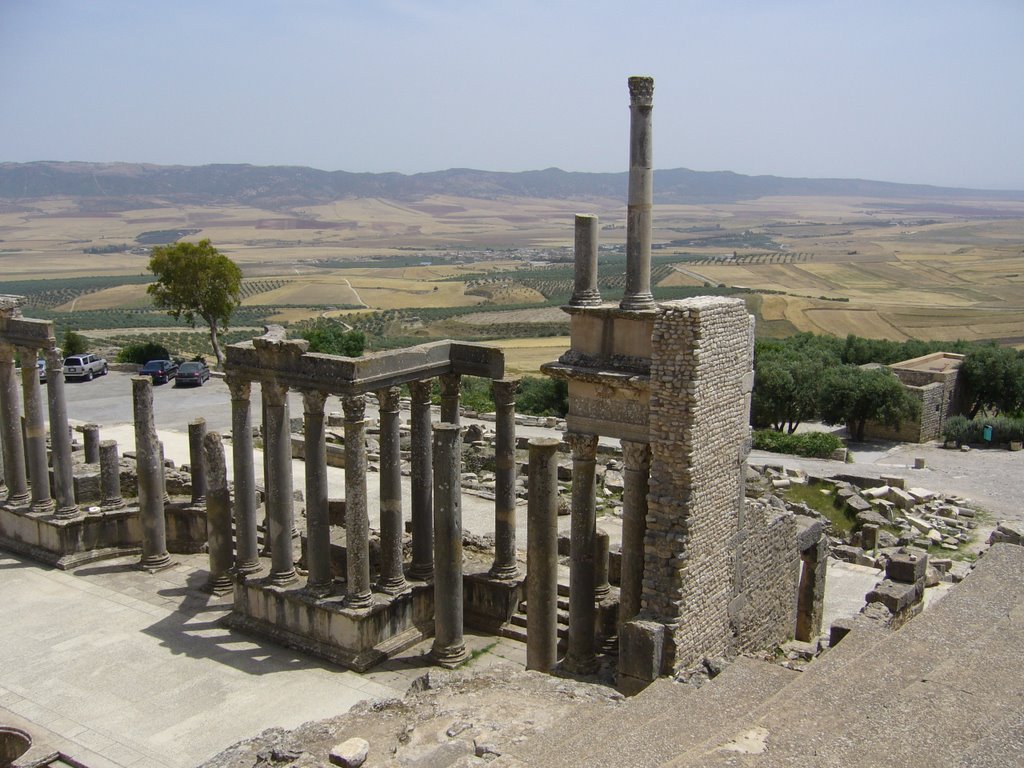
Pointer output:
x,y
161,371
84,367
192,373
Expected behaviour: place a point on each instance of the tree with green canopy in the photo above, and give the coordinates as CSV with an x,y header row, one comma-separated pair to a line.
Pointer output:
x,y
196,280
853,396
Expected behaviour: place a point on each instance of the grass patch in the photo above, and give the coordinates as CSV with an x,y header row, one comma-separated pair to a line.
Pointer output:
x,y
824,503
474,655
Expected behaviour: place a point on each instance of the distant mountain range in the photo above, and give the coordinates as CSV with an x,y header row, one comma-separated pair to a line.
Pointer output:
x,y
112,186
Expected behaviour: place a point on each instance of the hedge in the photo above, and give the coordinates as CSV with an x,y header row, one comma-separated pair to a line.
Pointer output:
x,y
818,445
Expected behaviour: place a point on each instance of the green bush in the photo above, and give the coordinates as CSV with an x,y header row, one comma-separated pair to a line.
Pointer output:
x,y
143,353
818,445
543,397
963,431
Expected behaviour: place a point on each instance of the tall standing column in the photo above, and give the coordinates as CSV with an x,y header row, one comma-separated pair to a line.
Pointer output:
x,y
580,657
197,455
449,648
10,422
358,593
35,433
392,579
585,292
60,440
150,473
318,519
422,501
641,194
110,475
505,565
218,515
278,446
90,440
635,481
542,556
246,534
450,398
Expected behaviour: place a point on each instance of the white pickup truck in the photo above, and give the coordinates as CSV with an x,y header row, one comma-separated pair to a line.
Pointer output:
x,y
84,367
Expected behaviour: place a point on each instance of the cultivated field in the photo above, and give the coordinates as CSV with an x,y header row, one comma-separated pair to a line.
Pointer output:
x,y
890,268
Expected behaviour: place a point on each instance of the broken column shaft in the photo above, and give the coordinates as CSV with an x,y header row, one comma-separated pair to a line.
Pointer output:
x,y
35,433
449,648
150,474
110,475
60,439
218,514
505,565
641,194
10,421
90,441
585,292
542,556
358,592
197,459
422,567
246,533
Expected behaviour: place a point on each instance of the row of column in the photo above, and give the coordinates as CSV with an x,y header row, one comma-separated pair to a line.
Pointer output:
x,y
277,450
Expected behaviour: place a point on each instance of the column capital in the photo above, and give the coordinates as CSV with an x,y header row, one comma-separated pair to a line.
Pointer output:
x,y
276,395
26,352
240,389
450,384
636,456
641,91
504,391
419,391
387,399
584,447
354,407
313,401
54,360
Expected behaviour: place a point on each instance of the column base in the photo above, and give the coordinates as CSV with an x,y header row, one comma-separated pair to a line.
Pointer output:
x,y
248,567
68,513
319,590
154,563
600,593
449,656
359,601
421,572
504,572
394,586
590,298
108,505
46,507
580,666
284,578
19,501
219,585
637,301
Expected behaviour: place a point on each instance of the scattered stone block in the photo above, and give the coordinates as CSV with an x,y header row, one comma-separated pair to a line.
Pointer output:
x,y
878,492
1007,533
895,596
907,567
858,504
871,517
900,498
351,753
893,481
921,495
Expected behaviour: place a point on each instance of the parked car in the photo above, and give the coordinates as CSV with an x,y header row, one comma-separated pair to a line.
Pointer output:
x,y
161,371
41,367
192,373
84,367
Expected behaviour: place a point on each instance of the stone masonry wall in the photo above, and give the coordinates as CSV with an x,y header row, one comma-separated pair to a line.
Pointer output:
x,y
934,399
699,417
763,611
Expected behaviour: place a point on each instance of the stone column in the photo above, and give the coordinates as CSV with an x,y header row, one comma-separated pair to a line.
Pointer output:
x,y
163,474
357,522
392,579
197,455
450,398
449,649
60,439
35,433
811,595
90,438
585,292
641,194
601,586
422,503
246,534
542,556
635,481
267,543
580,657
505,565
10,422
318,520
278,447
110,475
218,513
148,462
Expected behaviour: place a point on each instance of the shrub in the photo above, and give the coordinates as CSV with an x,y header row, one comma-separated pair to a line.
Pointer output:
x,y
818,445
963,431
543,397
143,353
74,343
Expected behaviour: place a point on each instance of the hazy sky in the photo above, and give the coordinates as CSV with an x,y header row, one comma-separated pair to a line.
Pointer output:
x,y
922,91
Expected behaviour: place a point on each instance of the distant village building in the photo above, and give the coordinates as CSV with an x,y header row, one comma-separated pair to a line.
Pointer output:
x,y
934,380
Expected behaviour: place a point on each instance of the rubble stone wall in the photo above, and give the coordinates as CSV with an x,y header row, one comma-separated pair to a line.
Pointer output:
x,y
763,611
935,400
699,431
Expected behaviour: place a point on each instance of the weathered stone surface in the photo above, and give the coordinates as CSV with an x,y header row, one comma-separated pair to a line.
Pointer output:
x,y
907,567
871,517
351,753
895,596
857,503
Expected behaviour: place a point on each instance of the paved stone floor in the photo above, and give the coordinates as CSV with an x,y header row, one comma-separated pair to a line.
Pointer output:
x,y
119,668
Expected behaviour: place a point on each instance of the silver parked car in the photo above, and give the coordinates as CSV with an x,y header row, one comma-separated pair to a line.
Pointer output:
x,y
84,367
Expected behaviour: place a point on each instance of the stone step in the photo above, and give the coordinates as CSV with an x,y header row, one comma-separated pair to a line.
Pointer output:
x,y
563,604
941,690
519,619
649,728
